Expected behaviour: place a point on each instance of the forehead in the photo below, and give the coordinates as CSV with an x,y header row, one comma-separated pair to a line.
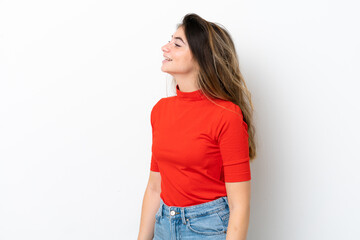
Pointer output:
x,y
180,31
179,34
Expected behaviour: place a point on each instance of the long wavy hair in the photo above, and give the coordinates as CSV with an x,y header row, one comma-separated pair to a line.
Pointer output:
x,y
219,73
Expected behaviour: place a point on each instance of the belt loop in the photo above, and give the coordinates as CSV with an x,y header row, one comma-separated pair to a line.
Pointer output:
x,y
183,215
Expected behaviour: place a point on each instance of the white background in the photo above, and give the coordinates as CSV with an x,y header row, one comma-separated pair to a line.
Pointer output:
x,y
78,80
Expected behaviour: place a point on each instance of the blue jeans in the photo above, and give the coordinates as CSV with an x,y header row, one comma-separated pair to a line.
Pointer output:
x,y
202,221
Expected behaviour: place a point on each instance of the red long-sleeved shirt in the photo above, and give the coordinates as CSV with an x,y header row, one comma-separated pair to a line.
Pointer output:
x,y
197,146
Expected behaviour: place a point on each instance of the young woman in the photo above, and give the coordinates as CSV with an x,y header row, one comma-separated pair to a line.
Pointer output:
x,y
202,141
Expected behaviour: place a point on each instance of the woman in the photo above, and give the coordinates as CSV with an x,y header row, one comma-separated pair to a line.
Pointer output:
x,y
203,141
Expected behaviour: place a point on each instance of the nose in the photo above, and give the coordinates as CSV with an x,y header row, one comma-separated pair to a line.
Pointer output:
x,y
165,48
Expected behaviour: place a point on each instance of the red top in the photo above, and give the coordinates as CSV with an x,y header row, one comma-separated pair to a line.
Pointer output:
x,y
197,146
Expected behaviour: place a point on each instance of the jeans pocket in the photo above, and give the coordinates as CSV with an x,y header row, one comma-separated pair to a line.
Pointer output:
x,y
224,215
209,224
158,215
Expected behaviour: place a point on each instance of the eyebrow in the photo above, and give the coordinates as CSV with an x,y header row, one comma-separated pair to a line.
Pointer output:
x,y
179,39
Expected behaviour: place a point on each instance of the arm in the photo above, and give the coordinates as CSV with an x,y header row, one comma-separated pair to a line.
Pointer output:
x,y
151,203
238,194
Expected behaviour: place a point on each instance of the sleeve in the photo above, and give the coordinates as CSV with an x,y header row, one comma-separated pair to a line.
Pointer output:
x,y
153,163
234,146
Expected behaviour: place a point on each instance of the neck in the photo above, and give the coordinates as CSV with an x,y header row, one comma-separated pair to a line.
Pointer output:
x,y
190,96
187,83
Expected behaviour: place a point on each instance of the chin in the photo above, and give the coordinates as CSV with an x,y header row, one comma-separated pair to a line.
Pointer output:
x,y
164,70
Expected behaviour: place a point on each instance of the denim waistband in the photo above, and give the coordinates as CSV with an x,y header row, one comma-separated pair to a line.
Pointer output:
x,y
194,210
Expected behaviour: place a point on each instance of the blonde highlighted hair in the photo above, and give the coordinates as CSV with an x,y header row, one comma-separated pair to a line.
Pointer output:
x,y
219,73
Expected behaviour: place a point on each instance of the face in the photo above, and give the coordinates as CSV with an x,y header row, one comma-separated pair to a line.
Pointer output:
x,y
178,50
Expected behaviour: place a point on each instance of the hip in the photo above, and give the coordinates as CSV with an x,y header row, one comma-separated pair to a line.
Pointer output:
x,y
208,220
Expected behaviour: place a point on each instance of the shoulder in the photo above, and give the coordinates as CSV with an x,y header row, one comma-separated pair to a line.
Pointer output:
x,y
161,105
156,107
231,117
157,104
154,111
161,102
229,110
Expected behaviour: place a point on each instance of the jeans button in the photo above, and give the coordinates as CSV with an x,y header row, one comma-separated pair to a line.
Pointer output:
x,y
172,213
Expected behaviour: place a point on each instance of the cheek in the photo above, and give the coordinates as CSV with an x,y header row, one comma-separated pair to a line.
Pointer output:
x,y
187,66
185,61
183,56
190,62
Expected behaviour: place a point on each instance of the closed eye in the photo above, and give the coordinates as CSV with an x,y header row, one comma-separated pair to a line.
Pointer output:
x,y
176,44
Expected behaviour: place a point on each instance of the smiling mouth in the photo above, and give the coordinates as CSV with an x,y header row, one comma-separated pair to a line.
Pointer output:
x,y
166,60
